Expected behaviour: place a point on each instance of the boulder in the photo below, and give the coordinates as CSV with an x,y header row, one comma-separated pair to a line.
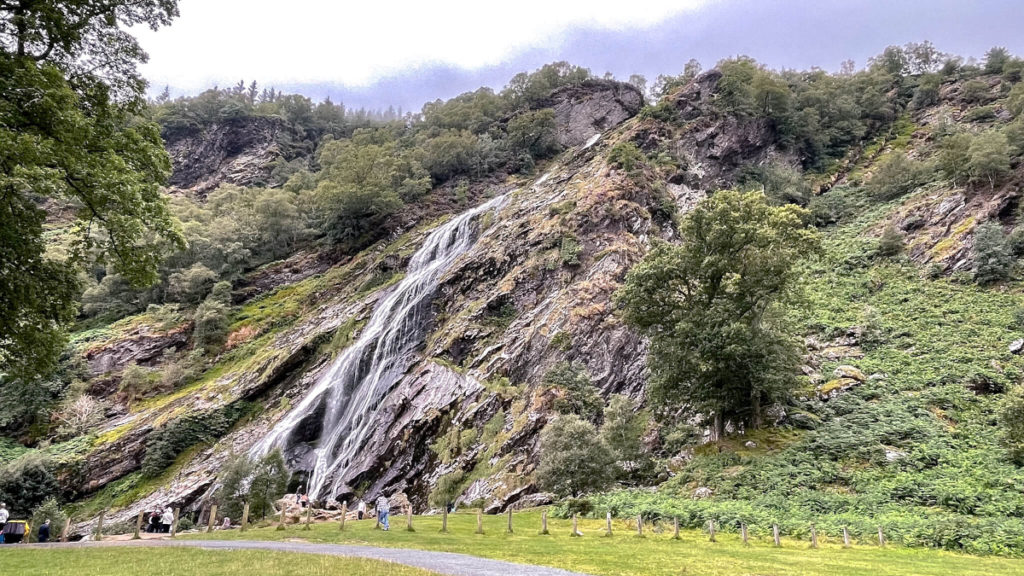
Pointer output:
x,y
703,492
849,372
1017,346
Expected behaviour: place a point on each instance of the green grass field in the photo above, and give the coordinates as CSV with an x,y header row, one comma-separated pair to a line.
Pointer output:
x,y
624,554
187,562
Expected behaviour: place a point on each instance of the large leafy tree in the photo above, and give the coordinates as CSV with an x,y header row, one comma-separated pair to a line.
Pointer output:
x,y
71,140
713,307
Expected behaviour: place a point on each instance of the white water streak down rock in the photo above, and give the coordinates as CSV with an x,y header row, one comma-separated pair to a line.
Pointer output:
x,y
354,386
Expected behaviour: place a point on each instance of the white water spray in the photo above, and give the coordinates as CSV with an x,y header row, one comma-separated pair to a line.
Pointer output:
x,y
353,387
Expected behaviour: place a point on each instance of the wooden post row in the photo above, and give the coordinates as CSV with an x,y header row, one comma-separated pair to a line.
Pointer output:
x,y
544,522
846,537
509,530
814,537
711,530
640,525
775,535
675,528
344,512
309,516
138,527
212,518
408,519
743,532
575,526
444,518
174,523
608,524
480,521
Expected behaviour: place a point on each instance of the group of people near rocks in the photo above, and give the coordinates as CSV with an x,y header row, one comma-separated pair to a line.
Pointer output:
x,y
159,521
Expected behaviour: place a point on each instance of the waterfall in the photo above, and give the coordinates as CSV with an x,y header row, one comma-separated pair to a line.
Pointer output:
x,y
351,390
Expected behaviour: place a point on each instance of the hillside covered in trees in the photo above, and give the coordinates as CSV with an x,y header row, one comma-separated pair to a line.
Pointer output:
x,y
747,295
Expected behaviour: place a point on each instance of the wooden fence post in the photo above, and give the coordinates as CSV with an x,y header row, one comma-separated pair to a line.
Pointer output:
x,y
174,523
280,521
64,533
814,537
510,531
408,519
480,521
138,527
743,532
775,535
640,525
608,524
344,513
99,526
675,528
846,537
544,523
575,526
309,516
881,537
444,518
245,517
711,530
211,519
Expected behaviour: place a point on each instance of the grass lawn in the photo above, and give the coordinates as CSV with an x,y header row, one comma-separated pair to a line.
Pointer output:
x,y
188,562
626,555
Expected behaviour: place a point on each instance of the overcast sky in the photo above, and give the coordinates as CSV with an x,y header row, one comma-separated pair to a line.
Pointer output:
x,y
406,52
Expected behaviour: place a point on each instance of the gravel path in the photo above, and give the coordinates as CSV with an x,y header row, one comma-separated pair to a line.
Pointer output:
x,y
440,562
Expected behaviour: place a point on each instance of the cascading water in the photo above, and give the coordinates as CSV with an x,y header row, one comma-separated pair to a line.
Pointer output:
x,y
351,390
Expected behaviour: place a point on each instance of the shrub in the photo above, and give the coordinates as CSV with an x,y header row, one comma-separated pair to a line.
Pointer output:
x,y
1011,418
896,176
28,482
569,252
626,155
48,510
989,157
165,444
891,243
992,259
447,489
579,396
139,382
828,208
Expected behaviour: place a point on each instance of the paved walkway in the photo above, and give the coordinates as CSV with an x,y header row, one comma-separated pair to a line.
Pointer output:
x,y
440,562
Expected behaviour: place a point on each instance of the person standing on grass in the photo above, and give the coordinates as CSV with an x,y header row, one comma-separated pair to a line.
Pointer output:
x,y
383,509
361,509
167,519
43,536
4,515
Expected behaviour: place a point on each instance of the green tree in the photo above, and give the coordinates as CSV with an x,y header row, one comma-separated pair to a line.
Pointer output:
x,y
992,257
27,482
573,459
211,319
579,396
70,132
533,133
623,431
713,307
995,59
954,157
269,483
989,157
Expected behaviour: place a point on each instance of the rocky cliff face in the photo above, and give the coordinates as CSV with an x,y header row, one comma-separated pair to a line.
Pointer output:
x,y
230,152
535,289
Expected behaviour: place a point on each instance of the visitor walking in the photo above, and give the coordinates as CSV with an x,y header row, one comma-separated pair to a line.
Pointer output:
x,y
361,509
166,520
44,532
383,509
4,515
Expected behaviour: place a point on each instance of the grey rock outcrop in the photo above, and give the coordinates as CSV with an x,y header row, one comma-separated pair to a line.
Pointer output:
x,y
231,152
592,108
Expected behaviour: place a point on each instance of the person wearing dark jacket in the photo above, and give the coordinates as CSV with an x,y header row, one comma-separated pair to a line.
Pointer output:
x,y
44,532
